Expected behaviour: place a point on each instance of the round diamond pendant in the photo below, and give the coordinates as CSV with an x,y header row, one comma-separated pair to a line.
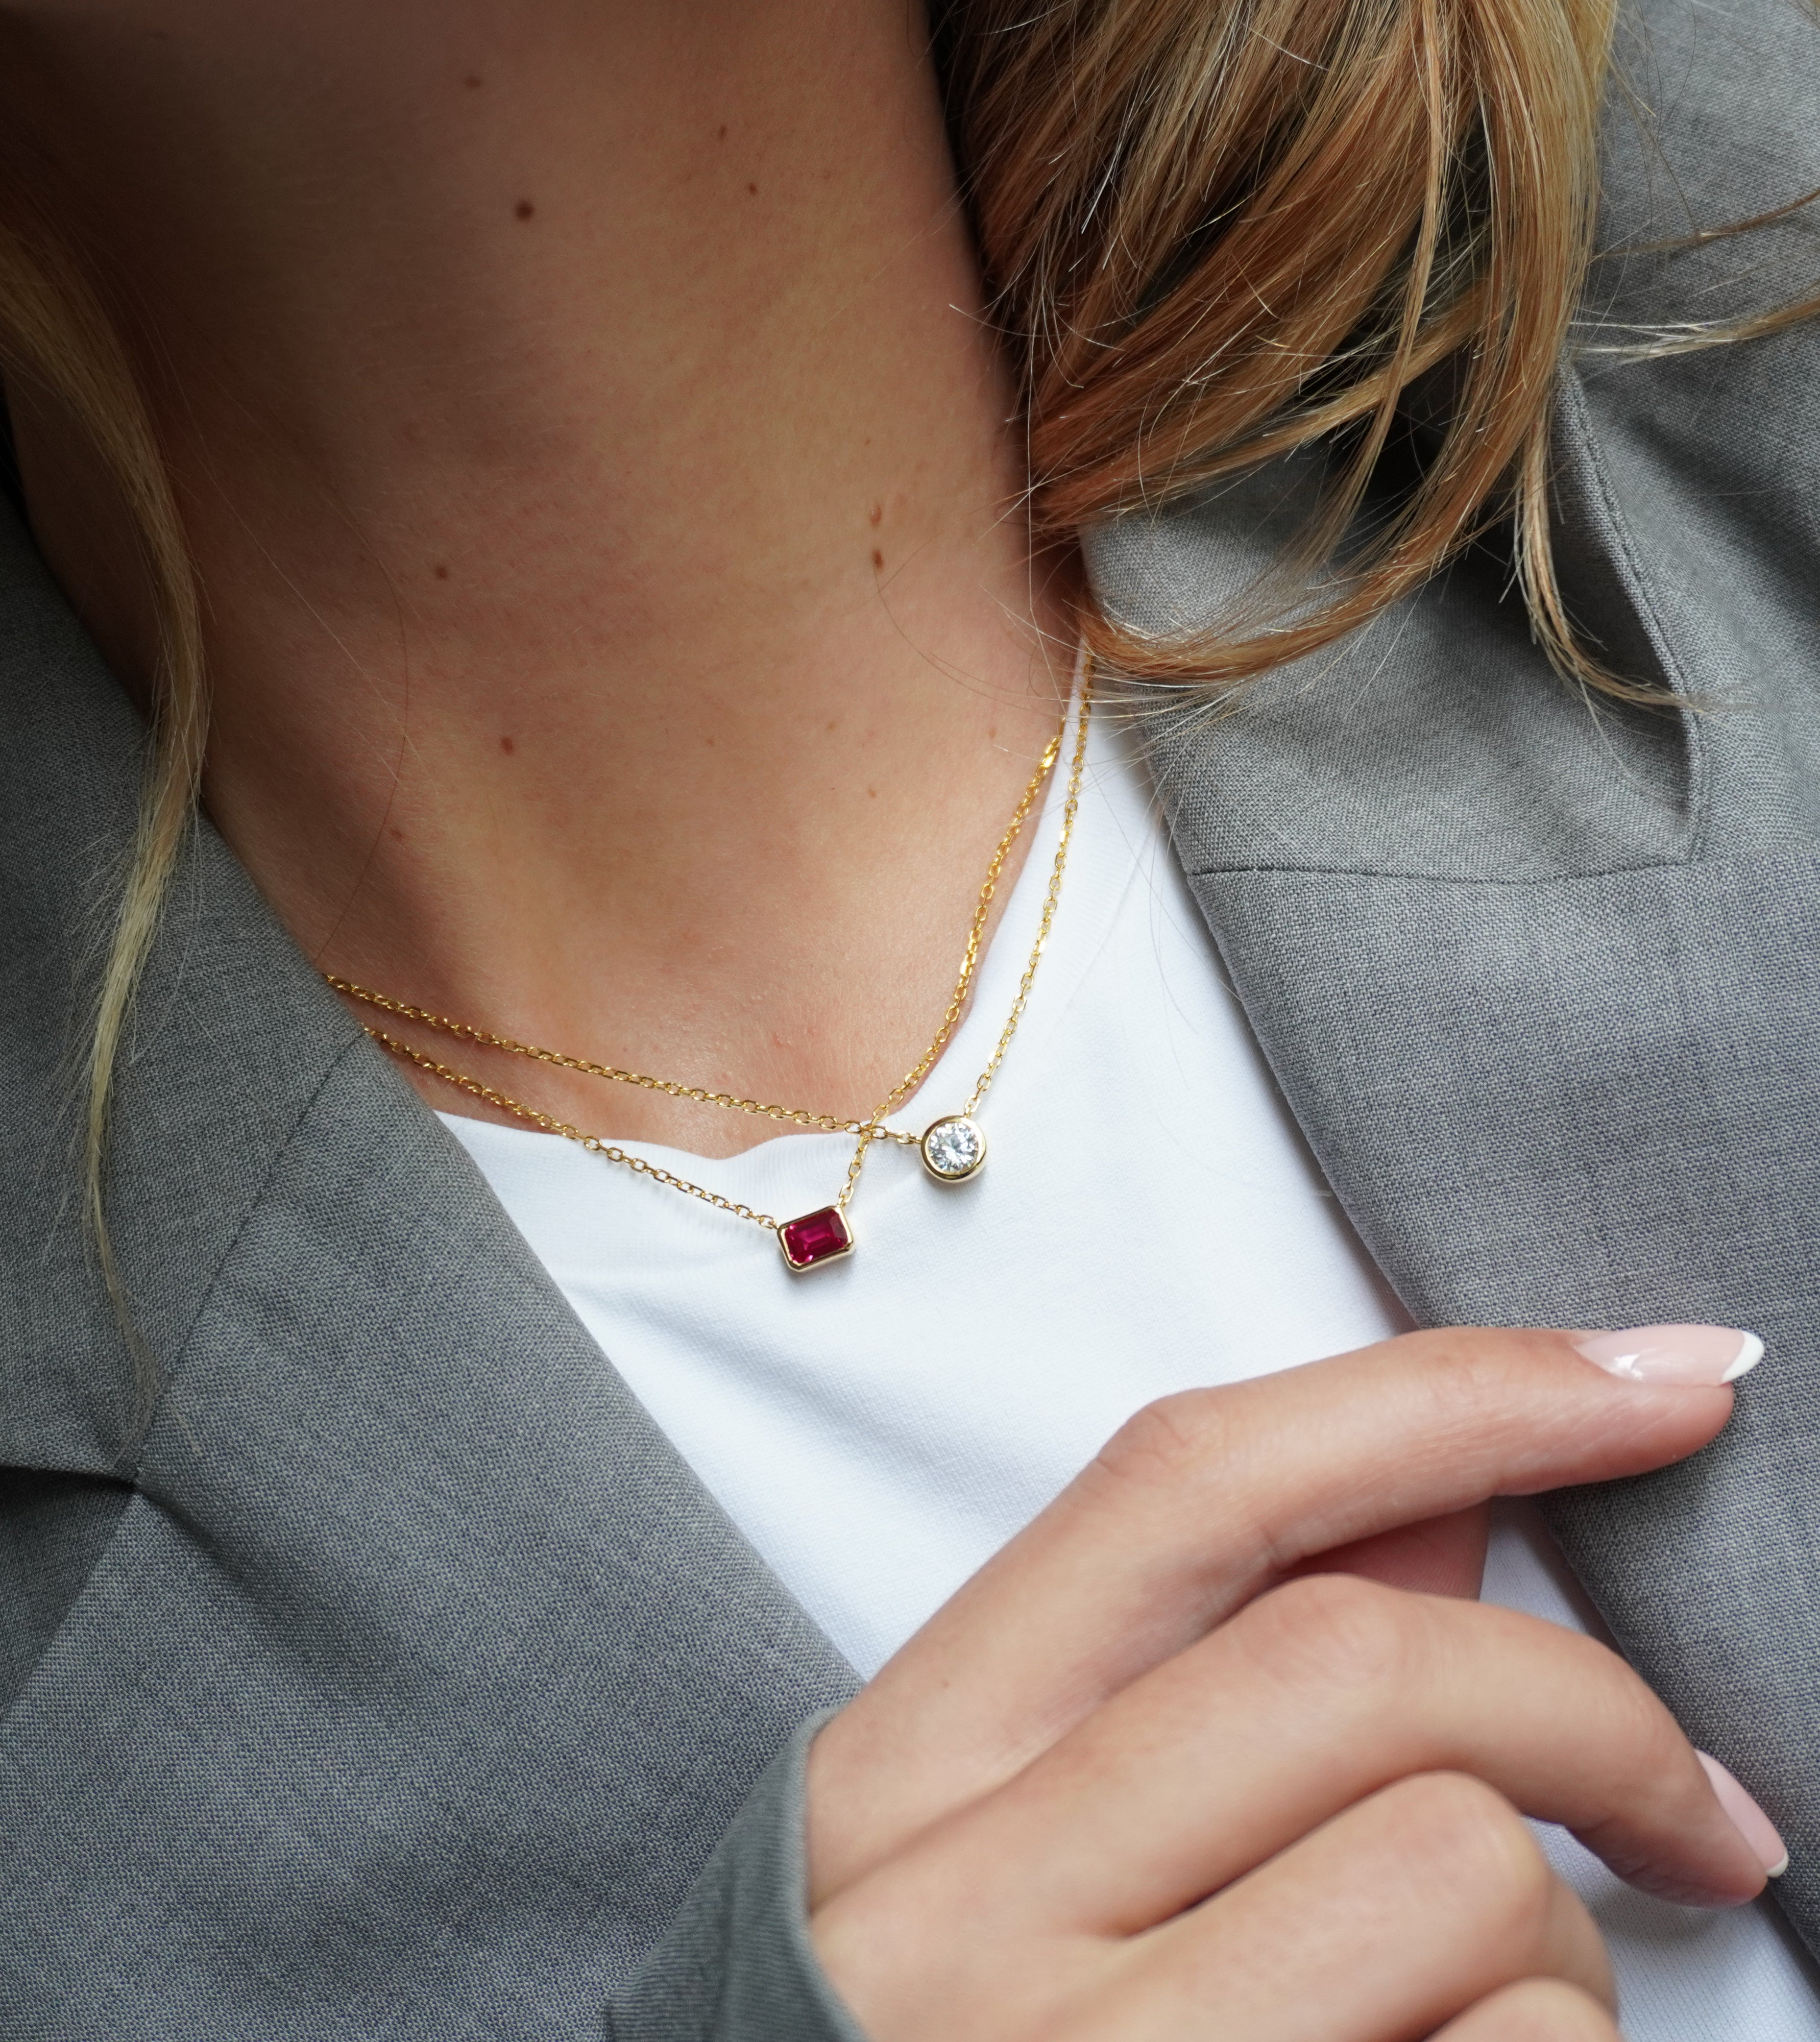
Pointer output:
x,y
953,1149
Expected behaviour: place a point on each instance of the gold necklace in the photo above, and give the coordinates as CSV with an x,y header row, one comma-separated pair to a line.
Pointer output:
x,y
953,1147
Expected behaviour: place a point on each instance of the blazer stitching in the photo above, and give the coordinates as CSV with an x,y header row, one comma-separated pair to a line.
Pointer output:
x,y
1701,863
1625,550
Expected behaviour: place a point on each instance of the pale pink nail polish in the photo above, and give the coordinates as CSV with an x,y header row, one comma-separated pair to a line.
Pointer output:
x,y
1747,1818
1674,1354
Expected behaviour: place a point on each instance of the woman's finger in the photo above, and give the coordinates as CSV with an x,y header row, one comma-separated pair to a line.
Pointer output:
x,y
1537,2010
1382,1926
1385,1923
1205,1500
1317,1696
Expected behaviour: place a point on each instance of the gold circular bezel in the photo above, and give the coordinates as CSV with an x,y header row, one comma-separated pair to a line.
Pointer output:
x,y
953,1176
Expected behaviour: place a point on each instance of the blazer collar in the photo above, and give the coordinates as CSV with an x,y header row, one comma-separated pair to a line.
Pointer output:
x,y
395,1514
1538,977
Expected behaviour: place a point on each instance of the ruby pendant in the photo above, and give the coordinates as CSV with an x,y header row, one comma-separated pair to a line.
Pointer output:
x,y
816,1238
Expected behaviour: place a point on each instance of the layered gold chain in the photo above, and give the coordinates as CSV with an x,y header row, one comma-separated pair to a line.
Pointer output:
x,y
866,1131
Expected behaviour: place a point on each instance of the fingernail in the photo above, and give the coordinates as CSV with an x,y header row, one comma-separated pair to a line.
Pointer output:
x,y
1674,1354
1748,1820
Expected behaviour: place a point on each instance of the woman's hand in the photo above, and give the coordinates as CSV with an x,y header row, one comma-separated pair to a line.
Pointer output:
x,y
1135,1781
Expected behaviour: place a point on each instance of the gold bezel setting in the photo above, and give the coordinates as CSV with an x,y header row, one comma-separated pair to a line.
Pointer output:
x,y
967,1121
827,1254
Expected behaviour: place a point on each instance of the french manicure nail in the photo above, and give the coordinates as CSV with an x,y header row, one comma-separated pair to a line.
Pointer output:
x,y
1747,1818
1673,1354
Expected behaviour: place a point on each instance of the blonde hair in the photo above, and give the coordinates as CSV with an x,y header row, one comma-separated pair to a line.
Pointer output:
x,y
1213,234
55,336
1197,280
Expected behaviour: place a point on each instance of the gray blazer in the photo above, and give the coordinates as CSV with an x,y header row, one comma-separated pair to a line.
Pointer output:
x,y
392,1677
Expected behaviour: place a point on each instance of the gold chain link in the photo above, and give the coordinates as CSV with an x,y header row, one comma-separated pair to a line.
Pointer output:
x,y
552,1126
827,1123
976,933
801,1116
867,1131
1070,808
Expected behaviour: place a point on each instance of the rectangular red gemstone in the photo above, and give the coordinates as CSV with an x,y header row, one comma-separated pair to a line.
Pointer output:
x,y
816,1237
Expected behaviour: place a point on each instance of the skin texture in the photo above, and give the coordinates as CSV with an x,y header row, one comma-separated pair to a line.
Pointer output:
x,y
622,633
621,637
1149,1774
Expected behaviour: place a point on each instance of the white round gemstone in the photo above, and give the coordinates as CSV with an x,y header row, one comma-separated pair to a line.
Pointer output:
x,y
954,1148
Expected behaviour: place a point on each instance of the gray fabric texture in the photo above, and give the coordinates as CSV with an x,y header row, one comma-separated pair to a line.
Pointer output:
x,y
418,1676
386,1675
737,1962
54,1529
1541,983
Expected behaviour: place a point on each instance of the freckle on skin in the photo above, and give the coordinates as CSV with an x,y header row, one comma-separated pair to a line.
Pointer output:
x,y
398,834
473,84
506,744
720,134
441,572
524,208
753,190
878,558
872,793
834,722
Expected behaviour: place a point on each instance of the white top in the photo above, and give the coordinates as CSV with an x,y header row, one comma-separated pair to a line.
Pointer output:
x,y
1148,1220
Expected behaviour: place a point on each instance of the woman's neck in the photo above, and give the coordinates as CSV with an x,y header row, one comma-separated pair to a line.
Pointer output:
x,y
622,631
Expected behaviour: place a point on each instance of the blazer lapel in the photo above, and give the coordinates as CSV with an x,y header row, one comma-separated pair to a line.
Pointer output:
x,y
1595,1101
1541,987
1540,982
420,1674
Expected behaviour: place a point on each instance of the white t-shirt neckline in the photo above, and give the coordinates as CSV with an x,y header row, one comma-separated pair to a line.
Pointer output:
x,y
1149,1218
